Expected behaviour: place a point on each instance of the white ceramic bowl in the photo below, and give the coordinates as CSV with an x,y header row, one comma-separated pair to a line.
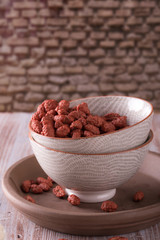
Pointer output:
x,y
139,118
92,177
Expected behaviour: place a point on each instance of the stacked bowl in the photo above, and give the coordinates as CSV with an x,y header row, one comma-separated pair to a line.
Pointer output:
x,y
93,167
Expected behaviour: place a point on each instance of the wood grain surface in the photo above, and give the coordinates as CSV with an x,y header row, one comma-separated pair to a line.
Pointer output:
x,y
14,145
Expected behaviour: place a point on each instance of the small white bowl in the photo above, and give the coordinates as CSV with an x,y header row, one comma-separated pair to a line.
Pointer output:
x,y
92,177
139,118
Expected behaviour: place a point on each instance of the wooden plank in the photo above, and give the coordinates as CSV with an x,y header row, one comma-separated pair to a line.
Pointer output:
x,y
14,145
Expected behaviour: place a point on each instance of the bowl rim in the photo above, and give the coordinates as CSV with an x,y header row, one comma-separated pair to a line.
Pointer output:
x,y
104,134
149,139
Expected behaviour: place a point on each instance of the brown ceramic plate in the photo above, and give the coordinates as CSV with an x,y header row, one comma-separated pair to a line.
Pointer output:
x,y
88,219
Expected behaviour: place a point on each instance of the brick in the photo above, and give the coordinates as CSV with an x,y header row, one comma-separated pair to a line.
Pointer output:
x,y
156,12
85,12
153,20
3,89
34,97
98,35
21,50
120,52
134,69
127,87
158,45
55,53
38,21
69,43
79,79
20,22
150,86
148,95
28,5
67,13
44,34
35,88
134,52
103,4
39,80
148,4
44,12
114,70
55,4
145,44
128,60
124,77
18,80
75,4
157,94
61,34
4,80
115,35
3,22
68,88
78,35
30,41
77,22
89,43
116,22
57,70
12,14
2,108
96,21
105,13
57,21
134,21
150,53
152,68
87,88
75,96
79,52
17,88
98,52
50,88
5,99
105,61
29,62
21,106
91,70
142,29
29,13
75,70
107,44
69,61
126,44
51,43
38,71
123,13
141,77
130,4
37,52
5,50
106,87
16,71
57,79
142,12
52,61
133,36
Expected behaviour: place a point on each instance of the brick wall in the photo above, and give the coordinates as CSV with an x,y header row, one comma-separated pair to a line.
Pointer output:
x,y
76,48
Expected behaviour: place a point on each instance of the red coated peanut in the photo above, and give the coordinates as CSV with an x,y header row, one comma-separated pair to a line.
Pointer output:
x,y
47,119
120,122
50,104
48,130
45,187
63,104
40,180
26,185
84,108
111,116
76,133
41,110
138,196
95,120
74,115
63,131
29,198
92,129
36,189
107,127
62,112
73,199
35,116
109,206
36,126
88,134
62,118
83,121
58,191
76,124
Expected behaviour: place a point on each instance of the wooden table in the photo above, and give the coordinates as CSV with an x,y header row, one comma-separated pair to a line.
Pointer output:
x,y
14,145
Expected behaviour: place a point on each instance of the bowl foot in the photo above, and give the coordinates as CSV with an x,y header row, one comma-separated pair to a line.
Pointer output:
x,y
92,197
